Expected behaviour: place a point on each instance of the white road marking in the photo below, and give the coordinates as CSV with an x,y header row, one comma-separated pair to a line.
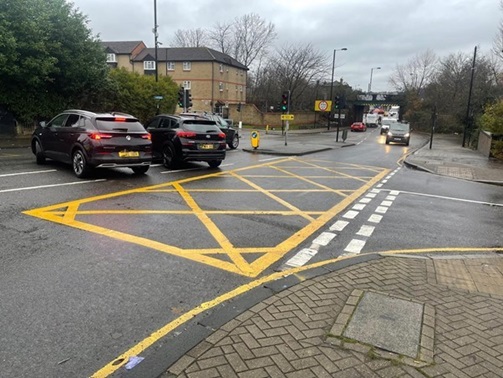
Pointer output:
x,y
359,206
394,192
371,195
324,238
302,257
386,203
366,230
375,191
391,198
365,200
50,186
274,158
350,214
339,225
384,181
355,246
448,198
379,186
374,218
381,209
28,173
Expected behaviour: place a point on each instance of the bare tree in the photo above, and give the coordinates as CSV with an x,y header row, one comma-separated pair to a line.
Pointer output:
x,y
414,75
295,68
245,39
190,38
498,39
221,37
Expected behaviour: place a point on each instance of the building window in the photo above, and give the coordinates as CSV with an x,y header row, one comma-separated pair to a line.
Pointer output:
x,y
186,66
111,58
149,65
241,88
221,87
171,66
187,85
236,88
221,67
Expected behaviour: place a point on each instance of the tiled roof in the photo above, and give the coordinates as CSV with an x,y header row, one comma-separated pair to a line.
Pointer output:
x,y
121,47
189,54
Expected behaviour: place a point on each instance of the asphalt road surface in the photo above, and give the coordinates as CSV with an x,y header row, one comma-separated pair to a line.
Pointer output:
x,y
93,268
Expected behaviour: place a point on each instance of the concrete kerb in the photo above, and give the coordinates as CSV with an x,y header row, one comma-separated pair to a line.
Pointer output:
x,y
177,343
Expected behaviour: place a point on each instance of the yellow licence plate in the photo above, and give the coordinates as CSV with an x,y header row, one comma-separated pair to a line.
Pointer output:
x,y
206,146
124,154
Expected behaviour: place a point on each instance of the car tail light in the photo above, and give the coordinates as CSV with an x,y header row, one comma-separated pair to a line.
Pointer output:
x,y
146,136
221,135
186,134
120,119
99,136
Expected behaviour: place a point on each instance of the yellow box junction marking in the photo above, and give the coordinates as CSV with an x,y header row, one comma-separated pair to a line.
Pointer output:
x,y
68,213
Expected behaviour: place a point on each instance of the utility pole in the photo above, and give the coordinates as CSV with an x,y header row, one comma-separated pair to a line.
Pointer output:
x,y
155,40
468,121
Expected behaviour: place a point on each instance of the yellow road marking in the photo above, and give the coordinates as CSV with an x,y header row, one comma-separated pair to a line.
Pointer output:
x,y
137,349
68,214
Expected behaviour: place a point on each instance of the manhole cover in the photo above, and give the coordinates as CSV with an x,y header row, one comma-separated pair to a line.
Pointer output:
x,y
389,323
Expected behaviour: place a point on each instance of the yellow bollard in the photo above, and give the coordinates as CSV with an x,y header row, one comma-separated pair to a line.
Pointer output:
x,y
255,139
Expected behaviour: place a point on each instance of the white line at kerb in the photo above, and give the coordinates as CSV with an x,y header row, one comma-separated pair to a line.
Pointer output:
x,y
49,186
28,173
355,246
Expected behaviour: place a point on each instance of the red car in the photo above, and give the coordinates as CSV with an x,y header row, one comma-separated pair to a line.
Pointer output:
x,y
358,126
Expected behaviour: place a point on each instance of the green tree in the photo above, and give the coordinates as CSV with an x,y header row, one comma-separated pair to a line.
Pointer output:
x,y
132,93
49,59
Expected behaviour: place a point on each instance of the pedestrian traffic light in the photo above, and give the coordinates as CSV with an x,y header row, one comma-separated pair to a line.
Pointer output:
x,y
285,101
188,99
181,94
238,107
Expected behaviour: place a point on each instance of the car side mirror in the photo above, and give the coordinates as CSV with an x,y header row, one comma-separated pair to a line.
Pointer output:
x,y
42,123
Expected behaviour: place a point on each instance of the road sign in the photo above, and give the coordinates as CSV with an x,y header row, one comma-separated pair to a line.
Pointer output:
x,y
322,106
287,117
158,97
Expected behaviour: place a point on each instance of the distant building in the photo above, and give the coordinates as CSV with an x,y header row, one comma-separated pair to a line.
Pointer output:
x,y
214,79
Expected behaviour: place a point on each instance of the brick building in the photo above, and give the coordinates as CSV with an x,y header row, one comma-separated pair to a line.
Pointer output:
x,y
215,80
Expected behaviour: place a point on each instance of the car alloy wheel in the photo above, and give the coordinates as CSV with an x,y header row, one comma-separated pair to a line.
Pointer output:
x,y
79,164
39,154
235,142
168,156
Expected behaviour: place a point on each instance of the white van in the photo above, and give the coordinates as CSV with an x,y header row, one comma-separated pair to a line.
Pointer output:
x,y
386,121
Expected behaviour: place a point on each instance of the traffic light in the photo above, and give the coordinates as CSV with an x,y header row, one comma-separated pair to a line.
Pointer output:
x,y
181,94
285,101
337,102
238,107
189,99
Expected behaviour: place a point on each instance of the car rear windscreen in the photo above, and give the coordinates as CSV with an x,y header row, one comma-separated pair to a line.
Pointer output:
x,y
119,124
201,126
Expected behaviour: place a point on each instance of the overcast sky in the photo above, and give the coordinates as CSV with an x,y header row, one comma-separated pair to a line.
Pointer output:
x,y
376,33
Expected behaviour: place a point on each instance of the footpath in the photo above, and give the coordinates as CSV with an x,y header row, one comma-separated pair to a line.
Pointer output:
x,y
436,314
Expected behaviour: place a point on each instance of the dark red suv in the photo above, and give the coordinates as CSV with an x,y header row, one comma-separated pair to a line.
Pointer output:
x,y
89,140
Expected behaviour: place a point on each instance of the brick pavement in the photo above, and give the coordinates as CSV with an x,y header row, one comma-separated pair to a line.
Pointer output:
x,y
288,334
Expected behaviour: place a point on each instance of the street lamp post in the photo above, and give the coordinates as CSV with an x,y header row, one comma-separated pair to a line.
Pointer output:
x,y
371,71
155,40
332,85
